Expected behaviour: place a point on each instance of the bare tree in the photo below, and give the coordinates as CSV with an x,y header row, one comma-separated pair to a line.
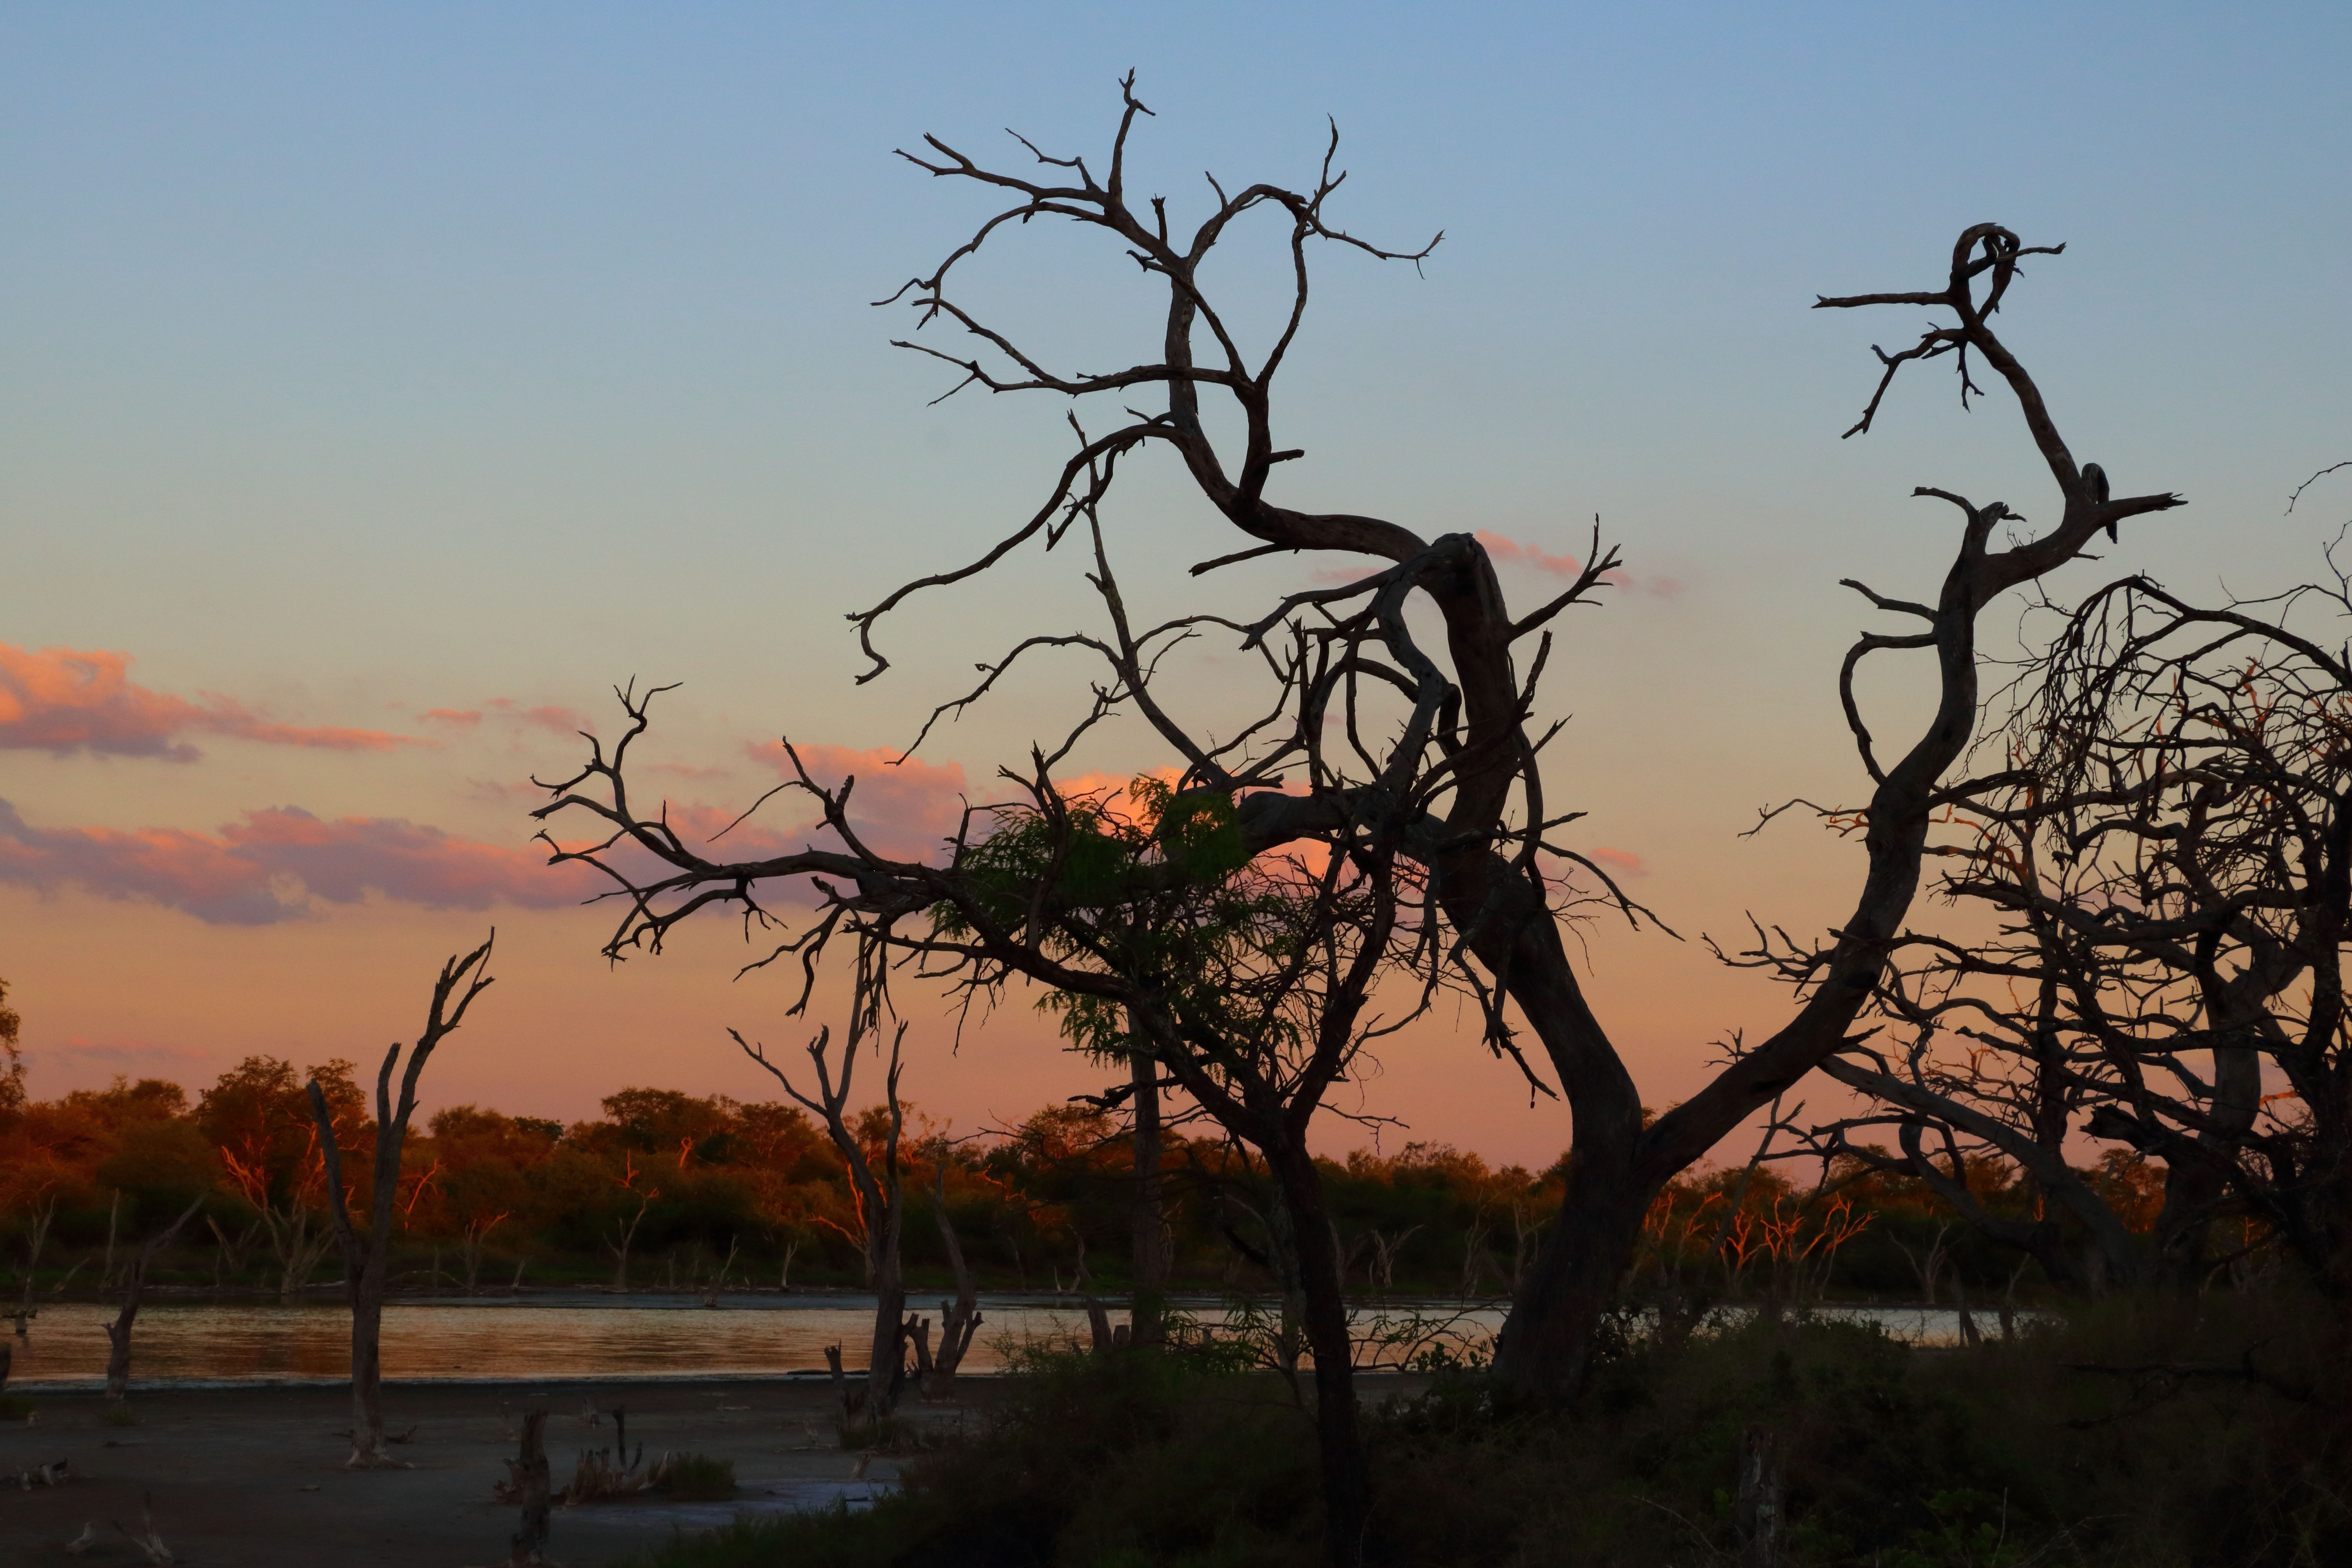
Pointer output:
x,y
960,1318
134,1285
881,1205
1438,761
290,1221
625,1225
2172,870
38,1217
365,1255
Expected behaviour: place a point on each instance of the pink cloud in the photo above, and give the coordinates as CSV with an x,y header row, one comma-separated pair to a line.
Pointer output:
x,y
280,863
58,700
901,807
1510,551
1506,551
1623,862
547,716
550,717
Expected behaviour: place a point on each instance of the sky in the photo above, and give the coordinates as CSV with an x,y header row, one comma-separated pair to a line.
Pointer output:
x,y
380,386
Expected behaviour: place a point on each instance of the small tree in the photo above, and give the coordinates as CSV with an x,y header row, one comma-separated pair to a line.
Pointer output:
x,y
365,1256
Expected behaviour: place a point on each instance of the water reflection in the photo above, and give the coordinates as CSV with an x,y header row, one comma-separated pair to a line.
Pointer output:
x,y
587,1336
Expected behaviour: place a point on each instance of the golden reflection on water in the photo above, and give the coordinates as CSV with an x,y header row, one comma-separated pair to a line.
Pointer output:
x,y
640,1337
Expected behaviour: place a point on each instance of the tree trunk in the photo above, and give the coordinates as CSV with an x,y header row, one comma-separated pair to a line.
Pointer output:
x,y
118,1341
959,1319
1757,1502
1347,1485
367,1362
529,1545
883,1371
1147,1312
1545,1351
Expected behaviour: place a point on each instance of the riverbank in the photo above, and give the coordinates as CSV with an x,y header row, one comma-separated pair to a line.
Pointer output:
x,y
254,1476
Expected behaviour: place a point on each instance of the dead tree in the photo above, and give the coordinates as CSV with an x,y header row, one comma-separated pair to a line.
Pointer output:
x,y
959,1319
134,1284
881,1207
39,1217
624,1227
528,1481
2172,873
297,1239
1437,759
365,1255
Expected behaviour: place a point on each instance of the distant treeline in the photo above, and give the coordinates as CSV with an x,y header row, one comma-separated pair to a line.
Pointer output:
x,y
674,1191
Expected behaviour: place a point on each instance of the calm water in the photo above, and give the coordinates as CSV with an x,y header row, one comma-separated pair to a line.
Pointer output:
x,y
574,1337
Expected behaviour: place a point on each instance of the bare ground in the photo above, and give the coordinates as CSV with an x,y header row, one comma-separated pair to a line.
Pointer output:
x,y
255,1478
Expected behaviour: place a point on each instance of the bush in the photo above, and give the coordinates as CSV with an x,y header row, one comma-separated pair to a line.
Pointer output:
x,y
697,1478
2142,1434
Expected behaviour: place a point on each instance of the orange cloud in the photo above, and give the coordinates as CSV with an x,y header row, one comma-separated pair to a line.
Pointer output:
x,y
280,863
58,700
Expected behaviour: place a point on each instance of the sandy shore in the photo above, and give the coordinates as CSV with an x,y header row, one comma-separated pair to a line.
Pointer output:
x,y
254,1478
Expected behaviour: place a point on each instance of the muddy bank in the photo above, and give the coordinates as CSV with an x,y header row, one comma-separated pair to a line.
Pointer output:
x,y
254,1476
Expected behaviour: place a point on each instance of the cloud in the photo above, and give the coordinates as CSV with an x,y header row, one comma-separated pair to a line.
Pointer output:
x,y
1623,862
902,807
1506,551
554,719
1510,551
279,864
58,700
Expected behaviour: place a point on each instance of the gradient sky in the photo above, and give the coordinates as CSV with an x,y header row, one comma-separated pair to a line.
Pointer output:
x,y
378,386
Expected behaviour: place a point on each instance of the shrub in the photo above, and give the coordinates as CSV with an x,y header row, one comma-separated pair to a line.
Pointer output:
x,y
2150,1433
698,1478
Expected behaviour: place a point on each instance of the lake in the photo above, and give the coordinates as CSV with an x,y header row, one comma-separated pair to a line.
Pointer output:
x,y
560,1336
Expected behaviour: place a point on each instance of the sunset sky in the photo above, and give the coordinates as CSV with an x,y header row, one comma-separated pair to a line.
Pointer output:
x,y
381,385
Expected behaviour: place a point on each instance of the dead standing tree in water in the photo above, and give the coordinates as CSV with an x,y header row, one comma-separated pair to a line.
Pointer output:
x,y
365,1255
881,1205
959,1318
134,1284
1457,783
